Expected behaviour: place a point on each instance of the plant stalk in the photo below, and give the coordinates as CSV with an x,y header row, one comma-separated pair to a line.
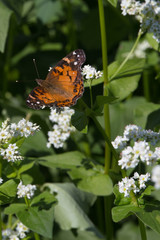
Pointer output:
x,y
142,230
105,74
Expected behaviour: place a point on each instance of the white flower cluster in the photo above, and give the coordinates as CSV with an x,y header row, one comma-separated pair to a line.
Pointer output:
x,y
25,190
147,13
135,183
10,153
62,127
8,131
135,133
23,128
20,232
140,151
138,145
90,72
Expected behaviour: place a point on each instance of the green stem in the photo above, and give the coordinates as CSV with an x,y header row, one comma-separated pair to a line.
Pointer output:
x,y
128,56
142,230
27,201
105,74
91,97
146,86
36,236
108,142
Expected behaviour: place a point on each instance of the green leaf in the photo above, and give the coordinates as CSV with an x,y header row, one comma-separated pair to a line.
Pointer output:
x,y
66,160
148,190
87,235
5,14
24,167
14,208
126,81
32,146
8,191
113,2
153,120
155,45
100,101
39,216
142,111
71,207
121,212
131,231
79,120
92,180
48,11
150,216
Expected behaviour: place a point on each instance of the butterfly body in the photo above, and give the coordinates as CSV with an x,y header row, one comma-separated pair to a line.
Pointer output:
x,y
63,85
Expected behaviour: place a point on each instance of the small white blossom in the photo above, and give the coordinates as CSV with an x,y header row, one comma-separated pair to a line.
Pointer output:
x,y
10,153
21,230
25,190
24,128
6,233
90,72
135,183
13,237
1,180
119,142
143,178
62,127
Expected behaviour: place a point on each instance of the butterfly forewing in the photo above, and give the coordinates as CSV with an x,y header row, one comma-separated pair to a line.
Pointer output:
x,y
63,85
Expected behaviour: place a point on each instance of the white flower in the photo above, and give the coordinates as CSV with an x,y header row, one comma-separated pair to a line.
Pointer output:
x,y
10,153
62,127
6,233
143,178
25,190
132,132
23,128
90,72
21,230
119,142
127,185
14,237
135,183
156,176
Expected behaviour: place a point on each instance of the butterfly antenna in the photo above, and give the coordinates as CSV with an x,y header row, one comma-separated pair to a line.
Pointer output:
x,y
35,65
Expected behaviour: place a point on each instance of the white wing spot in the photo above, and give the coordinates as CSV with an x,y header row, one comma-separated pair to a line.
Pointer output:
x,y
74,53
38,102
28,101
75,63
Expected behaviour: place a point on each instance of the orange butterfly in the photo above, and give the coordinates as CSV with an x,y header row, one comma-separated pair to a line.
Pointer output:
x,y
63,85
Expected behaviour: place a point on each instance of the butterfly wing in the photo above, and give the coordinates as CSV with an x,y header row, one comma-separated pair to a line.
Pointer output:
x,y
63,85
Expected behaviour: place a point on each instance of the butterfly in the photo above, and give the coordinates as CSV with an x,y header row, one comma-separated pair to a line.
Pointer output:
x,y
63,85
